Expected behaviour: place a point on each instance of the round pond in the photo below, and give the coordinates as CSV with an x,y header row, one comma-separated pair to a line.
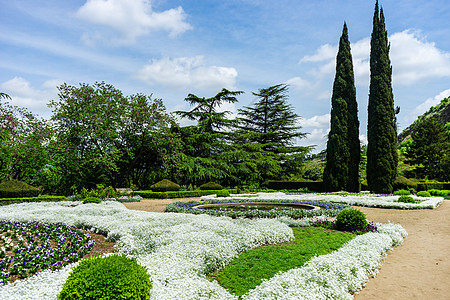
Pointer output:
x,y
264,206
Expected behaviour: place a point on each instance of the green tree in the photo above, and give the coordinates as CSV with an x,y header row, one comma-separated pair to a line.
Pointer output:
x,y
24,150
267,130
382,157
430,150
343,146
104,137
206,144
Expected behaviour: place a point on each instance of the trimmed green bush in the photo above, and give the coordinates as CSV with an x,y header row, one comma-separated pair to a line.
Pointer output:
x,y
180,194
402,192
403,183
441,193
406,199
364,185
111,277
429,185
17,189
91,200
351,220
165,186
42,198
211,186
423,194
316,186
223,193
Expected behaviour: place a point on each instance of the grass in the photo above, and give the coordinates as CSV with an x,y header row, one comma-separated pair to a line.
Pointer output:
x,y
251,267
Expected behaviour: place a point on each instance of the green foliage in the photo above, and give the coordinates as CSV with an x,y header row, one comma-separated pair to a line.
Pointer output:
x,y
211,186
91,200
441,193
402,192
101,192
423,194
406,199
41,198
104,137
165,185
429,151
180,194
350,220
382,157
404,183
265,136
251,267
223,193
343,146
315,186
429,185
17,189
111,277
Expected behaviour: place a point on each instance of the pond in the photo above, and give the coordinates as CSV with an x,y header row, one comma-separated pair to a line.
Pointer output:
x,y
264,206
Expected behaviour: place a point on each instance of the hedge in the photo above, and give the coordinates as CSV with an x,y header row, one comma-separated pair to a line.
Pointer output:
x,y
179,194
6,201
314,186
425,186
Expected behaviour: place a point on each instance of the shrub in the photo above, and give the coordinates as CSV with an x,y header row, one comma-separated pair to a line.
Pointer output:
x,y
423,194
211,186
406,199
223,193
17,189
441,193
351,220
111,277
364,185
402,192
91,200
404,183
164,186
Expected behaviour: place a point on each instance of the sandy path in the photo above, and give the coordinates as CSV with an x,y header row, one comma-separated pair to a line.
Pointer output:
x,y
419,269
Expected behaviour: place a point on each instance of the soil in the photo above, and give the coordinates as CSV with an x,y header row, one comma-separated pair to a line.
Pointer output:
x,y
418,269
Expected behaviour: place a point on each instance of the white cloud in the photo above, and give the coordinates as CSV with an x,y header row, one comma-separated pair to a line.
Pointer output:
x,y
131,18
324,53
426,105
34,99
315,121
317,128
298,83
183,72
412,57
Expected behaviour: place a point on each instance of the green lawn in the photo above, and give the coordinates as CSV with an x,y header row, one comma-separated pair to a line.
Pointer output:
x,y
247,271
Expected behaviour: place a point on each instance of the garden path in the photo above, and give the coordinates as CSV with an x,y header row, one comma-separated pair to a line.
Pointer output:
x,y
419,269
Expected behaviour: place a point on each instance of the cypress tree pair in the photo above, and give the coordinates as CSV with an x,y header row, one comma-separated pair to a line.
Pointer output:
x,y
343,147
382,154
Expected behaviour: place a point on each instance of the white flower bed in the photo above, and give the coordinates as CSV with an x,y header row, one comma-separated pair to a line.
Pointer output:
x,y
180,249
369,200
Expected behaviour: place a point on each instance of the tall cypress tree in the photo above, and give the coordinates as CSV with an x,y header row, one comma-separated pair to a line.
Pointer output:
x,y
382,156
343,148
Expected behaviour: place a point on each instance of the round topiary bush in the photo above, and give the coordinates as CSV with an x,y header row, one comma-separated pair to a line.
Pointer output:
x,y
17,189
406,199
423,194
351,220
110,277
211,186
165,186
91,200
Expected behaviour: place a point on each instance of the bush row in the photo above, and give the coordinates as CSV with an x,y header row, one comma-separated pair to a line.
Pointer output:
x,y
6,201
17,189
180,194
314,186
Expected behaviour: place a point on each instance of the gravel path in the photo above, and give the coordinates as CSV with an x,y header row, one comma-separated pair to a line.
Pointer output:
x,y
419,269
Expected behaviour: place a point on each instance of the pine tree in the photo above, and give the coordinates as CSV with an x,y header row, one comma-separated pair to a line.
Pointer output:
x,y
268,130
382,157
343,148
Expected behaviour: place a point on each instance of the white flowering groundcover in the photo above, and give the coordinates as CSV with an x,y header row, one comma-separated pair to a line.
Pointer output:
x,y
178,251
362,199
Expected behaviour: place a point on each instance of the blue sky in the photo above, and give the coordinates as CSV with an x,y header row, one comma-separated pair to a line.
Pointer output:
x,y
171,48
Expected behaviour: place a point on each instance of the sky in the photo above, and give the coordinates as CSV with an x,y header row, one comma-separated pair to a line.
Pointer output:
x,y
169,48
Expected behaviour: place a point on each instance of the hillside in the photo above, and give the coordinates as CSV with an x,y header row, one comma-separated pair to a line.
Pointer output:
x,y
442,111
